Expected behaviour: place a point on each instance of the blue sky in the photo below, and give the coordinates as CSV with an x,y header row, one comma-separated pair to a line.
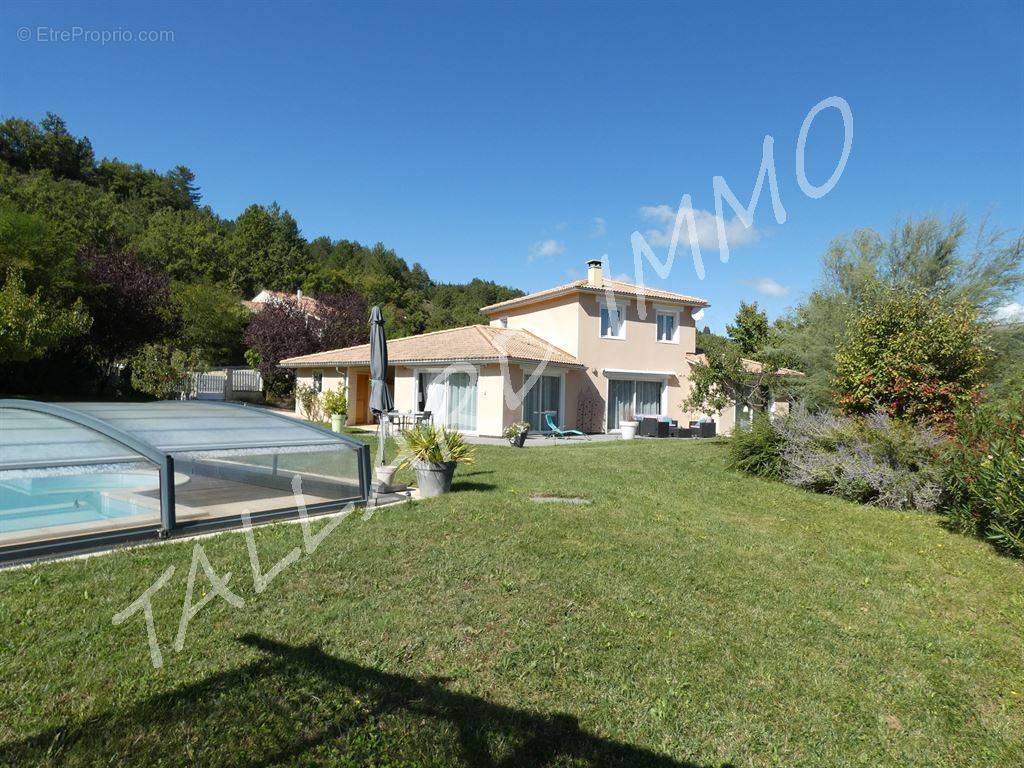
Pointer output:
x,y
487,140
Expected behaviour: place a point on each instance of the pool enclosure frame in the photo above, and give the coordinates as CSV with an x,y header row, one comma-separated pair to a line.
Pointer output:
x,y
164,461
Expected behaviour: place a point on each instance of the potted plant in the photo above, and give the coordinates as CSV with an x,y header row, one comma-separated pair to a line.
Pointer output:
x,y
336,407
434,453
516,433
628,423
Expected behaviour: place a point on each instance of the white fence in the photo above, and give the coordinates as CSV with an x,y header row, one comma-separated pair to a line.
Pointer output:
x,y
229,383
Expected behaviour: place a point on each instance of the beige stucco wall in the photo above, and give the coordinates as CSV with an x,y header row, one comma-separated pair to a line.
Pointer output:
x,y
490,391
333,379
405,389
556,321
640,350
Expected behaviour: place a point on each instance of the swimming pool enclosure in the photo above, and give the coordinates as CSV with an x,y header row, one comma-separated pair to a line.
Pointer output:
x,y
81,476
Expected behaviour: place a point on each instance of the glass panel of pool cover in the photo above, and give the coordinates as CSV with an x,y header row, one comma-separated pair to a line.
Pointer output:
x,y
60,479
76,471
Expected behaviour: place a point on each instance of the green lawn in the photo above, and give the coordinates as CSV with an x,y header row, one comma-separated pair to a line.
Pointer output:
x,y
688,616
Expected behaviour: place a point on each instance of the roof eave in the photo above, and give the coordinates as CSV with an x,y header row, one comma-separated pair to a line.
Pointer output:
x,y
444,361
522,301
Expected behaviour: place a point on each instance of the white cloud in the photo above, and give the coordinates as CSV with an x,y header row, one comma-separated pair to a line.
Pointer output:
x,y
599,230
1009,313
766,286
544,248
705,229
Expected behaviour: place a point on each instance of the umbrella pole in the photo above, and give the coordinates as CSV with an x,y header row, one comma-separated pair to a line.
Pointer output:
x,y
381,438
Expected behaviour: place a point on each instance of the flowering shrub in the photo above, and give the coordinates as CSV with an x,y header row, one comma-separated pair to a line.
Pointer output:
x,y
912,356
984,477
872,459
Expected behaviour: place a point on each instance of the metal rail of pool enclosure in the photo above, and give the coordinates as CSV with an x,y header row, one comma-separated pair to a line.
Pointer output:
x,y
86,476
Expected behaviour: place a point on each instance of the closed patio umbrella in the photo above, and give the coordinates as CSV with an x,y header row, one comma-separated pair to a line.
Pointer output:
x,y
380,396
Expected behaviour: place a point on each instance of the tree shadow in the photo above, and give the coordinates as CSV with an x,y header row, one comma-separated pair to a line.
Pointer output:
x,y
300,705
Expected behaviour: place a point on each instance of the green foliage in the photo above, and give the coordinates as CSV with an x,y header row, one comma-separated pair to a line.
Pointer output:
x,y
725,378
984,476
1004,380
925,256
29,245
188,245
265,250
209,320
30,327
757,449
163,371
428,443
335,402
750,331
47,146
913,356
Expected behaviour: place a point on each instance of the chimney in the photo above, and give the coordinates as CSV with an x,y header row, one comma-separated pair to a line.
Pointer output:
x,y
594,273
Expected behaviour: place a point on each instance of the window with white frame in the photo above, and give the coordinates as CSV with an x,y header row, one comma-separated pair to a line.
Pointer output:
x,y
613,324
667,326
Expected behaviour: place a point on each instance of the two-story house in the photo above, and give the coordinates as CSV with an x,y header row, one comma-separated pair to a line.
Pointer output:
x,y
588,352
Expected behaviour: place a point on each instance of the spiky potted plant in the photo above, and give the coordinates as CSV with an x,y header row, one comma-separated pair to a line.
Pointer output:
x,y
434,453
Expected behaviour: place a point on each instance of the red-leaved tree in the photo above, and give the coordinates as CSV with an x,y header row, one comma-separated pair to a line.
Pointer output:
x,y
124,298
280,330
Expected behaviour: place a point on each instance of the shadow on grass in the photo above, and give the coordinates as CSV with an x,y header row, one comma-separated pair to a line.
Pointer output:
x,y
299,705
470,485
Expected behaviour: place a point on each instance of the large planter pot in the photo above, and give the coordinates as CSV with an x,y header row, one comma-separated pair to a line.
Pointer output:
x,y
336,422
518,440
385,474
628,429
434,477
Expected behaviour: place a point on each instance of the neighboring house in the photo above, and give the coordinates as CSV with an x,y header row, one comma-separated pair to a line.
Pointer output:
x,y
580,351
307,304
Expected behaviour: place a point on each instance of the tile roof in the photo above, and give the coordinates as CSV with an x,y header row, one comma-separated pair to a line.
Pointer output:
x,y
750,366
470,343
619,287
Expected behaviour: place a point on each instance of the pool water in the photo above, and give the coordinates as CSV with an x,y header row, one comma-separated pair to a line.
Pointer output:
x,y
45,502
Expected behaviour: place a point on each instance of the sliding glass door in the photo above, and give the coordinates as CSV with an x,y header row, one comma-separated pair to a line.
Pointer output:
x,y
460,410
545,396
451,400
630,397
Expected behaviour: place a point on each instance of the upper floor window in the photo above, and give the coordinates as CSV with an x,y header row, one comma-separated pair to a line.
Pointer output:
x,y
318,381
667,326
503,322
613,324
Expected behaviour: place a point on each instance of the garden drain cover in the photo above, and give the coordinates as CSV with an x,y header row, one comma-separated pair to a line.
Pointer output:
x,y
558,500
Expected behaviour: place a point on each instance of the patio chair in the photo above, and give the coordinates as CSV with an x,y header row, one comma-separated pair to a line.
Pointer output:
x,y
557,431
